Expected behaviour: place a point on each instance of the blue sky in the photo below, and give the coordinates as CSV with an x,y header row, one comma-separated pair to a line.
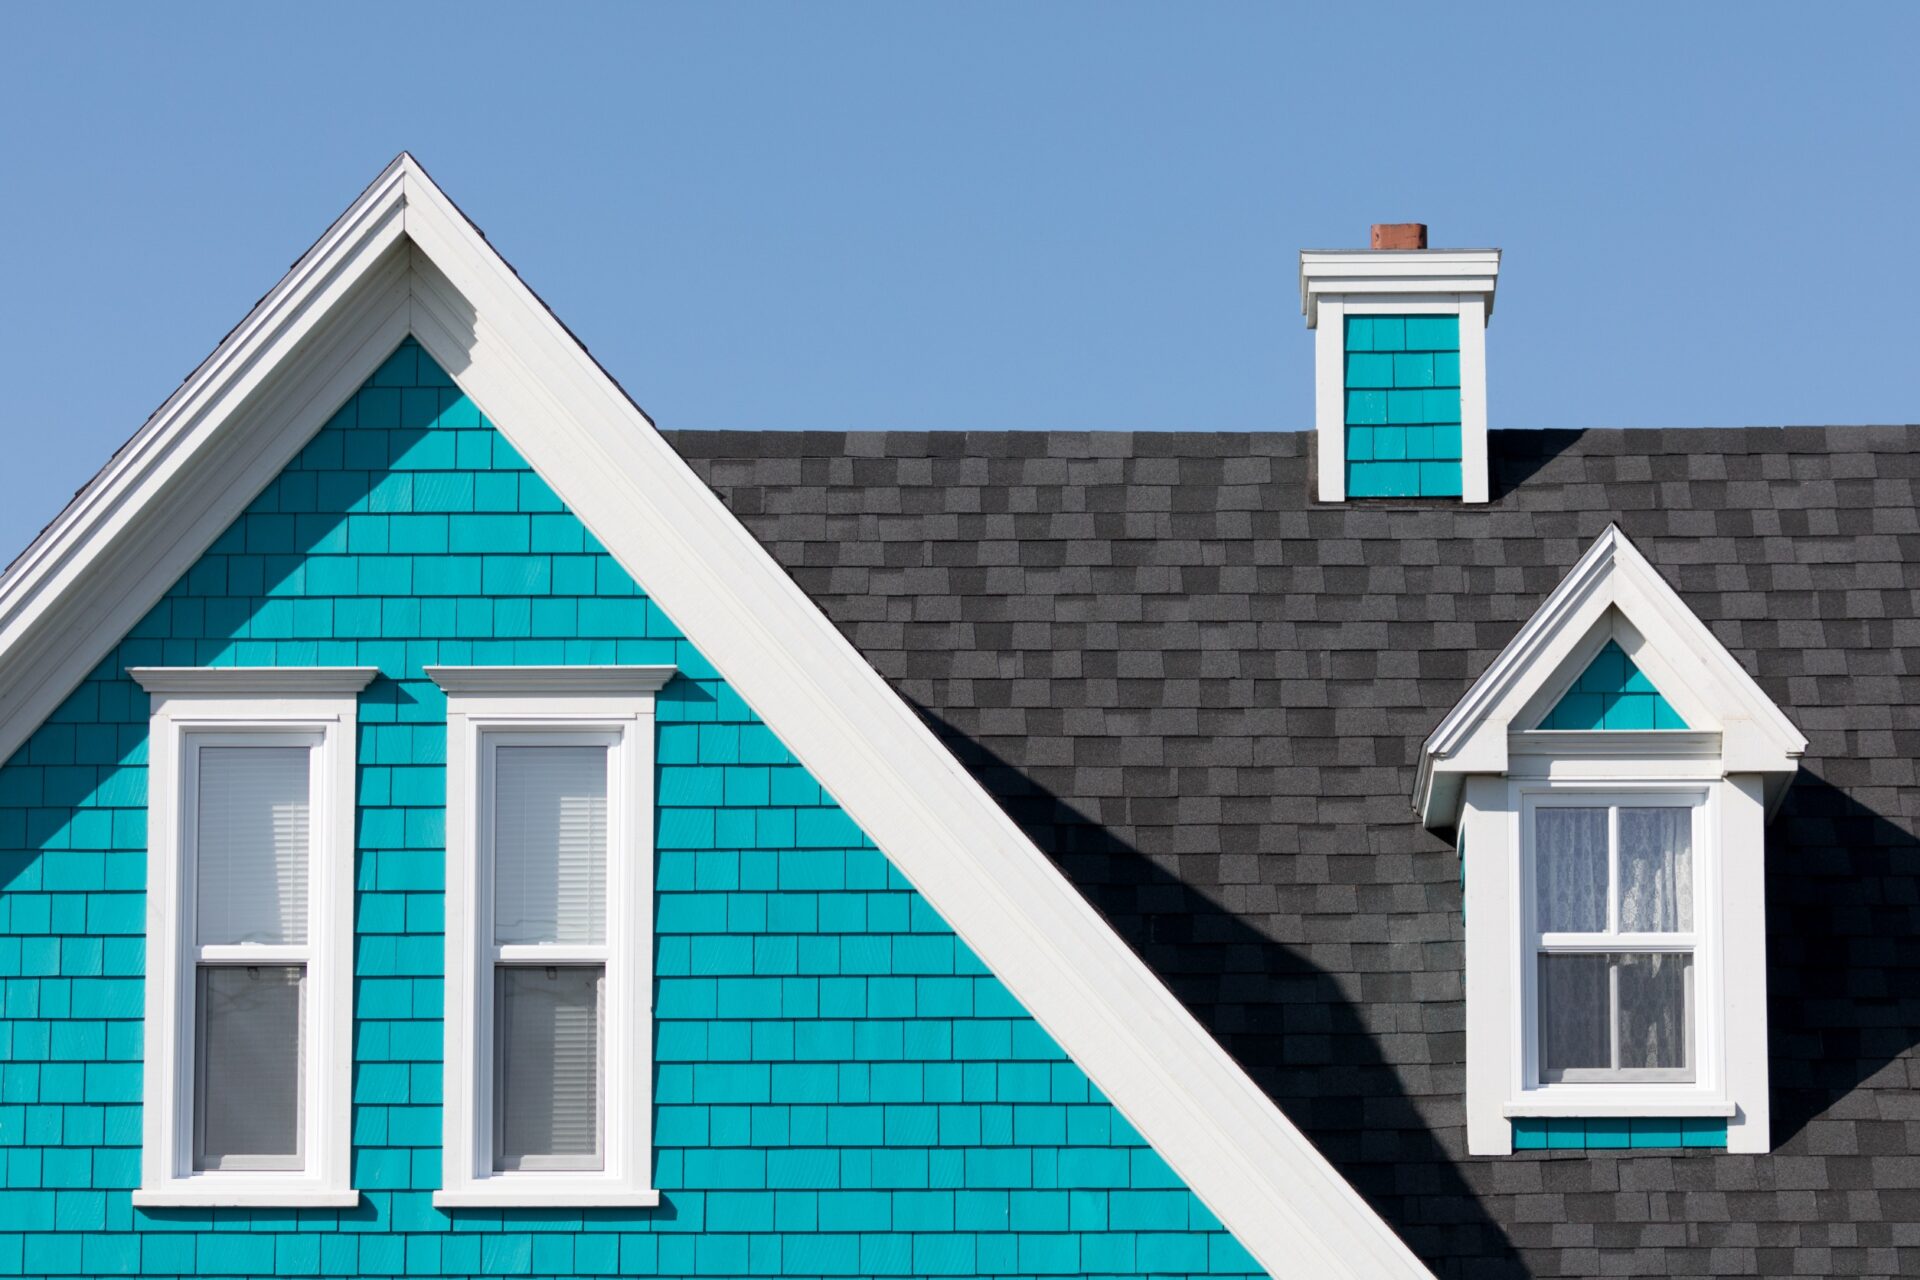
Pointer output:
x,y
983,216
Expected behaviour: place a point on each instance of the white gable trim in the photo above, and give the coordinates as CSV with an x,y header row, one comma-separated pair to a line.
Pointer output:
x,y
1612,591
404,259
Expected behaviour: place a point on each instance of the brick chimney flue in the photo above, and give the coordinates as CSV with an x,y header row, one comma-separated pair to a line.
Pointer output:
x,y
1399,235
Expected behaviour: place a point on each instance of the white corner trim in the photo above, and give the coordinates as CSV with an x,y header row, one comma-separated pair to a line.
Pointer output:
x,y
539,682
239,682
1330,403
1706,682
606,706
185,719
127,538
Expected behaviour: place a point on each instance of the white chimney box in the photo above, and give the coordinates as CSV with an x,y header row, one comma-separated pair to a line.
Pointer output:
x,y
1400,367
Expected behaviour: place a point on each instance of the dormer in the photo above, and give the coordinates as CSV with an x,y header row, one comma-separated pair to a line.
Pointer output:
x,y
1609,779
1400,366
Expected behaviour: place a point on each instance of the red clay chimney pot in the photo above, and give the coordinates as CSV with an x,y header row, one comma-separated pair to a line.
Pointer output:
x,y
1399,235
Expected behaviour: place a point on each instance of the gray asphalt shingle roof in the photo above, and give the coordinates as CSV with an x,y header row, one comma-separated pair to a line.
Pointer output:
x,y
1203,695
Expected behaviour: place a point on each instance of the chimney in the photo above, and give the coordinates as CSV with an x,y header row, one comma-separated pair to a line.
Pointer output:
x,y
1400,366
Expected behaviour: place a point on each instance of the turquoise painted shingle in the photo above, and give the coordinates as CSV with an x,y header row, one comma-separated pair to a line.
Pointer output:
x,y
1403,406
1539,1134
1612,693
840,1090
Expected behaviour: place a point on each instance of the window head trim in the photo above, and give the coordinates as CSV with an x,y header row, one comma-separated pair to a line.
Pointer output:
x,y
194,708
490,707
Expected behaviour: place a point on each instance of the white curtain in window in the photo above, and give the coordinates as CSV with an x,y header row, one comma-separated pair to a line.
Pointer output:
x,y
247,1068
1656,870
1573,1013
1653,1010
1570,869
251,848
547,1091
550,844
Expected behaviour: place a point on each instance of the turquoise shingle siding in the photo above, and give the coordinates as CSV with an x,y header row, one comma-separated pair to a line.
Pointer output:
x,y
1613,693
1599,1135
1403,406
841,1088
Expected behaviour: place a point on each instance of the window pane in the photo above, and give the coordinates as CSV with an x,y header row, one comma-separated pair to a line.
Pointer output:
x,y
250,846
547,1067
1654,1010
1656,870
1573,1014
1570,869
248,1069
550,844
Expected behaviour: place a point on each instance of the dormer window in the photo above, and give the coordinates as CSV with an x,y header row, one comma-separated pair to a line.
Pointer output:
x,y
1610,777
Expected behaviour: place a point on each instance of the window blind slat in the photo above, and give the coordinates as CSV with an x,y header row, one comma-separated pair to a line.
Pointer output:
x,y
550,844
252,838
248,1083
547,1081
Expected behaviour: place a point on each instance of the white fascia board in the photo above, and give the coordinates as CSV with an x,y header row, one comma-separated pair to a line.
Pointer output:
x,y
234,424
934,821
1340,272
1706,683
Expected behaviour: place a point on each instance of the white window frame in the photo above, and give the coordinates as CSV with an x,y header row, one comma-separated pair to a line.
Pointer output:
x,y
194,708
1729,949
493,706
1703,1027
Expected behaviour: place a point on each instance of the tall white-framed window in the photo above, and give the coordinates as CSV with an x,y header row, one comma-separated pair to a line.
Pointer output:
x,y
249,1011
549,1018
1612,960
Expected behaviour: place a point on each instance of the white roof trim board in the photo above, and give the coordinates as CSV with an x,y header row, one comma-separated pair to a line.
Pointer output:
x,y
403,259
1612,592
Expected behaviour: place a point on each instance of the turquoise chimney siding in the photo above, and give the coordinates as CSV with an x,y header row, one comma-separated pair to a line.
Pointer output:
x,y
841,1088
1613,693
1403,406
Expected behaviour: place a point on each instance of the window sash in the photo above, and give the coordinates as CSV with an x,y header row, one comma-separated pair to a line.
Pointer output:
x,y
1612,940
494,956
236,1091
1614,1073
197,957
507,1040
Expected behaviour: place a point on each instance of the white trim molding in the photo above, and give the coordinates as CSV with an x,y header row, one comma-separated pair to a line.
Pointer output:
x,y
488,707
405,259
1338,283
1488,763
192,708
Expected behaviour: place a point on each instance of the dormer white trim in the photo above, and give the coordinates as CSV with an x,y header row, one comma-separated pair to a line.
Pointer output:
x,y
404,259
1612,592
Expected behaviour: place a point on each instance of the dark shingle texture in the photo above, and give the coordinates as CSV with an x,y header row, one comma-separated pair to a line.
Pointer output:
x,y
1203,695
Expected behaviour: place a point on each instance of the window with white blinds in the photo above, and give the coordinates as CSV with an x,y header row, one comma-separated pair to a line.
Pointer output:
x,y
549,840
250,857
250,937
549,1010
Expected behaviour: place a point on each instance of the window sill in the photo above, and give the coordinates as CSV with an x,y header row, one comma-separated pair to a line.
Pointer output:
x,y
507,1195
1649,1106
254,1196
